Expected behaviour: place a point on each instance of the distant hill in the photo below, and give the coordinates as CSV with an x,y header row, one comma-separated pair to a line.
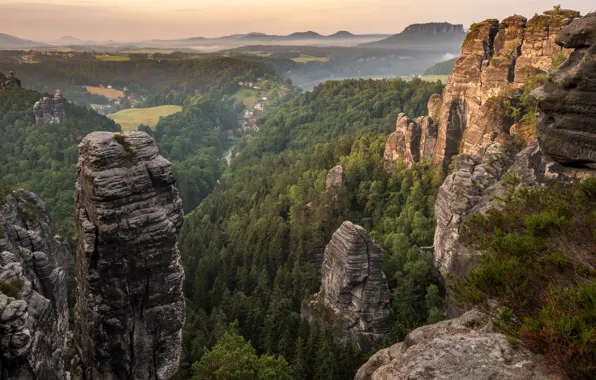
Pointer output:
x,y
70,40
439,35
342,34
441,68
8,42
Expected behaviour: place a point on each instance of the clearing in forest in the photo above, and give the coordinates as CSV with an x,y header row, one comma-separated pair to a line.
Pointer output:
x,y
109,93
130,119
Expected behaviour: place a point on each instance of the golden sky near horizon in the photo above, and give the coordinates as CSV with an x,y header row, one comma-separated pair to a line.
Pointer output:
x,y
128,20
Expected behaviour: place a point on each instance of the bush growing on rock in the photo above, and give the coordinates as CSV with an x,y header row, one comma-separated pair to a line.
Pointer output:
x,y
538,268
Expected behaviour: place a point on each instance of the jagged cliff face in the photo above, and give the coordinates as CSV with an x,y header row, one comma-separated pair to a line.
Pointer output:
x,y
354,297
565,131
567,102
414,139
130,307
496,57
33,300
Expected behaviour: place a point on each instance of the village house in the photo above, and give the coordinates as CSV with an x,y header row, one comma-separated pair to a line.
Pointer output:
x,y
259,106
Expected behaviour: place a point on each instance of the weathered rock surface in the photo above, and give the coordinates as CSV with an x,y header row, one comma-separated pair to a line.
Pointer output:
x,y
458,349
566,133
33,299
50,111
496,58
11,81
567,102
354,297
335,177
414,139
130,307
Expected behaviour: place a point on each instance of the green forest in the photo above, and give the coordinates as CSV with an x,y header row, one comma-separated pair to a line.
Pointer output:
x,y
189,76
251,248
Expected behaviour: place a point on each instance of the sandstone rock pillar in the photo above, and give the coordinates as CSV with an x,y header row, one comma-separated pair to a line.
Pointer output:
x,y
130,307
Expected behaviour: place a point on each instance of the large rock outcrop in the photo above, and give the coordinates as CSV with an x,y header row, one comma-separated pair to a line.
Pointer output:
x,y
458,349
567,102
414,139
33,299
130,307
496,58
11,81
354,297
50,111
566,133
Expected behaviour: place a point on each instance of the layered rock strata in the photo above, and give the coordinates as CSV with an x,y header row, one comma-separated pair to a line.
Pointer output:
x,y
130,307
496,58
414,139
50,111
567,102
458,349
354,297
566,134
33,298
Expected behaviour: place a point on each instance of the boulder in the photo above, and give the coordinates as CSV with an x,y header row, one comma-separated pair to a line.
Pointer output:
x,y
464,348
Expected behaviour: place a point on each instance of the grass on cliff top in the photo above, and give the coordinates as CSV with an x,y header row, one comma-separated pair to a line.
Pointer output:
x,y
538,266
130,119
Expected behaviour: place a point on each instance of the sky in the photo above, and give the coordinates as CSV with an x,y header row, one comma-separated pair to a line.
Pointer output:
x,y
133,20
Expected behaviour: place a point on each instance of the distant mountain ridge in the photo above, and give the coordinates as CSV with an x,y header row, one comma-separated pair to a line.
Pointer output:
x,y
450,36
11,42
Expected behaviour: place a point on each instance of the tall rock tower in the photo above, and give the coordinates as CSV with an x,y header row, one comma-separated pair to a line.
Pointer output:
x,y
130,308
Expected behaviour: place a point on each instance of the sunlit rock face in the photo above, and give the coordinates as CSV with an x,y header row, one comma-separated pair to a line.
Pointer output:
x,y
130,307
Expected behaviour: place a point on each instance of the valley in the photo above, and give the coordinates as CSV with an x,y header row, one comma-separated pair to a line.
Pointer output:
x,y
300,205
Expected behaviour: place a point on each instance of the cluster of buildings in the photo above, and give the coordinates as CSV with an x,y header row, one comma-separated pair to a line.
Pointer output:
x,y
249,84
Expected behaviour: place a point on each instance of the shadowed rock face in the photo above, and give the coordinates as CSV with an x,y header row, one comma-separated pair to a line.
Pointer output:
x,y
33,299
130,307
458,349
354,295
567,102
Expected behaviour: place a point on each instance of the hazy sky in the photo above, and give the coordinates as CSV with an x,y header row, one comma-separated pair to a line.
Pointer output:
x,y
148,19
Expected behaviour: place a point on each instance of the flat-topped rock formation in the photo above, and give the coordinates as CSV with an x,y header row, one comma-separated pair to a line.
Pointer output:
x,y
33,299
130,308
50,111
354,297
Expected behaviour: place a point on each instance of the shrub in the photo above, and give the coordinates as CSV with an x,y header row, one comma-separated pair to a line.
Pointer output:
x,y
32,212
12,288
539,255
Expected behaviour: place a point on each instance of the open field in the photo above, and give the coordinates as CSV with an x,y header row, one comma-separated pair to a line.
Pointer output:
x,y
148,51
109,93
248,96
434,78
115,58
130,119
308,58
